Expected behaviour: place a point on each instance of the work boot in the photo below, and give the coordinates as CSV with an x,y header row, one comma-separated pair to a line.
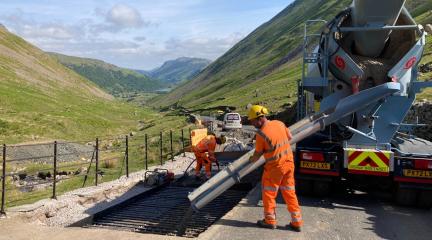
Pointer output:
x,y
293,228
263,224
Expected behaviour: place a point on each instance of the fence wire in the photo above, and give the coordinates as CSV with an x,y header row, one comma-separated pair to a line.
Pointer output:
x,y
31,172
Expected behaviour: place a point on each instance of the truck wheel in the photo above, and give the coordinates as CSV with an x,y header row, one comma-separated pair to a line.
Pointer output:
x,y
425,199
406,196
304,187
321,188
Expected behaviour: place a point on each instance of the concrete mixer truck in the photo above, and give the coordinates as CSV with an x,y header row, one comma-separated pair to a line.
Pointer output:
x,y
359,81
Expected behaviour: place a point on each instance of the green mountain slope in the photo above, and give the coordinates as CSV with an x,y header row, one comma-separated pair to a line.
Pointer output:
x,y
113,79
179,70
41,99
265,66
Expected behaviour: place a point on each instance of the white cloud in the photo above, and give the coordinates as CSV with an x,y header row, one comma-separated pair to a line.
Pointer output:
x,y
124,16
210,48
93,47
54,31
148,55
118,18
33,30
118,34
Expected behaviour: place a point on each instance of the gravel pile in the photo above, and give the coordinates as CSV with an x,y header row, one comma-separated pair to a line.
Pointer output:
x,y
242,135
79,204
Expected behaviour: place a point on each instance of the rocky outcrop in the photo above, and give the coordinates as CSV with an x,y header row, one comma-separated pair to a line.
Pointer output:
x,y
425,68
422,110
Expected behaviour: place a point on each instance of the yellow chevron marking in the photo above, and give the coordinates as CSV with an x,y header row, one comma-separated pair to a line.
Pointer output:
x,y
354,164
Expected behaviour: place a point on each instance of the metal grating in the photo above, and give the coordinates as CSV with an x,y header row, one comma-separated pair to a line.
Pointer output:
x,y
166,212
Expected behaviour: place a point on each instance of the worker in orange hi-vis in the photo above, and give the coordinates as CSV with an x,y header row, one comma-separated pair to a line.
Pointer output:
x,y
204,153
273,141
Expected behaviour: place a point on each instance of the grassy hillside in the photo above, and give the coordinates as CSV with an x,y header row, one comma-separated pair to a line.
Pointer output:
x,y
263,67
421,10
115,80
427,58
176,71
41,99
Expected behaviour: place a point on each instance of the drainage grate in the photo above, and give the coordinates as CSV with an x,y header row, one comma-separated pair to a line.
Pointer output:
x,y
165,212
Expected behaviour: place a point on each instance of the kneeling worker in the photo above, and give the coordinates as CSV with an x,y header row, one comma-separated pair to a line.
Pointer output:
x,y
204,153
273,141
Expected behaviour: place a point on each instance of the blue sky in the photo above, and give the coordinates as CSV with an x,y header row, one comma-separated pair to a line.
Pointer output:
x,y
137,34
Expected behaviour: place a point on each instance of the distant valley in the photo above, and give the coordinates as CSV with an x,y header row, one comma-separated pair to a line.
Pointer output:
x,y
113,79
174,72
120,81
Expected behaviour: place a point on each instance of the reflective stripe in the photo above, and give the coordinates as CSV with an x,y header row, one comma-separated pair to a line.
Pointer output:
x,y
287,188
277,146
267,139
296,220
295,213
273,147
278,156
269,188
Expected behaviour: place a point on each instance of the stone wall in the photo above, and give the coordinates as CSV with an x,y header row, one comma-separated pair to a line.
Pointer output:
x,y
422,110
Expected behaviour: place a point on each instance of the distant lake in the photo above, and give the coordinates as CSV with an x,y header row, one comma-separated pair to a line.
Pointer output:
x,y
164,90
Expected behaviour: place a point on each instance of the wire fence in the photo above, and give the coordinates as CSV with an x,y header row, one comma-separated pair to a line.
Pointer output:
x,y
36,171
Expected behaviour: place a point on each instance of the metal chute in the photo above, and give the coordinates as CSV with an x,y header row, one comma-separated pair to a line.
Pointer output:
x,y
304,128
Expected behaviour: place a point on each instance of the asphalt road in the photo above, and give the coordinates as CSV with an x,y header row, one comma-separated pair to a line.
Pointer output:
x,y
355,215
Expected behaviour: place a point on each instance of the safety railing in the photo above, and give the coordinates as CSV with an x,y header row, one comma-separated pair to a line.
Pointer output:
x,y
32,172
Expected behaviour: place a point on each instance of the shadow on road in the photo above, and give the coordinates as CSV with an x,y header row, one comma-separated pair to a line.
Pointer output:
x,y
386,219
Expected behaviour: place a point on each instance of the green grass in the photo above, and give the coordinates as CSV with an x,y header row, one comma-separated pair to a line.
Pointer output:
x,y
63,116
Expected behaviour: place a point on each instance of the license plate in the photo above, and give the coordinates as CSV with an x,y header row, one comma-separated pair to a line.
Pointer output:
x,y
315,165
417,173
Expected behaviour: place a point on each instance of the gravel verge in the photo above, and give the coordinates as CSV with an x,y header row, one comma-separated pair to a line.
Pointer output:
x,y
79,204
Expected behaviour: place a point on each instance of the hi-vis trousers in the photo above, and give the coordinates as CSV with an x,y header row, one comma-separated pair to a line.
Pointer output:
x,y
202,159
280,178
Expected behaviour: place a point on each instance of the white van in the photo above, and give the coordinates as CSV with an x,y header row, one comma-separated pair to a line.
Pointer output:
x,y
232,121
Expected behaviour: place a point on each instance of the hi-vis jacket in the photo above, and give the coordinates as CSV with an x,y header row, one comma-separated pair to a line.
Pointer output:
x,y
208,144
272,140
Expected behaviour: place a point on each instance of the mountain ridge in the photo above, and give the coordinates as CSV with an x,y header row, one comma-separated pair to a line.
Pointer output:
x,y
110,77
178,70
